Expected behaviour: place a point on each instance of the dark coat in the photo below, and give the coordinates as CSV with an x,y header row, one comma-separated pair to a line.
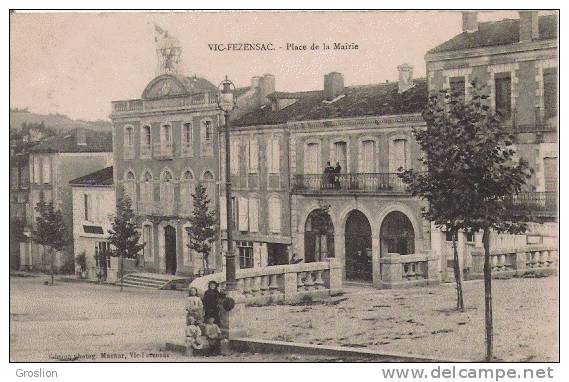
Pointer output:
x,y
211,300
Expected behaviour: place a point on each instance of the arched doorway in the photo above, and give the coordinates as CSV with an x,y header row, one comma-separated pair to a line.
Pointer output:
x,y
358,247
318,236
170,249
397,234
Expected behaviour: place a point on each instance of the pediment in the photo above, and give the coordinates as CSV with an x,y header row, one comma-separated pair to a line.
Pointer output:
x,y
164,86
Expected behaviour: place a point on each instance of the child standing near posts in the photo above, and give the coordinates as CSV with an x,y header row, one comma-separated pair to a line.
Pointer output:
x,y
213,335
194,306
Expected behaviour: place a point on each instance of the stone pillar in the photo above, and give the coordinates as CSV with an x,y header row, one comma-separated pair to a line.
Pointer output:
x,y
232,321
290,286
391,272
375,261
437,241
519,261
298,244
264,254
336,276
340,250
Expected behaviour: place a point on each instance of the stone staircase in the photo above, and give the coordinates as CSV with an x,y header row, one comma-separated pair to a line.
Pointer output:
x,y
154,281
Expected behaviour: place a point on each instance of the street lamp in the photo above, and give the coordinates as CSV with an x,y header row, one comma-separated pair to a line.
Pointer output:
x,y
227,104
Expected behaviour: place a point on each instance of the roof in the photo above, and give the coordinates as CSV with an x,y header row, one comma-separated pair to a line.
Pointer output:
x,y
102,177
495,33
166,85
96,141
359,101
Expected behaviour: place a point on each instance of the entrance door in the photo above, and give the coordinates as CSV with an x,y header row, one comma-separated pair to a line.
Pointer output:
x,y
318,236
170,249
358,247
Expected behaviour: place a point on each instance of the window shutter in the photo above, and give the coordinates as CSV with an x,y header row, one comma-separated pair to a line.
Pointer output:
x,y
90,208
275,215
223,215
243,214
234,157
276,152
254,215
253,155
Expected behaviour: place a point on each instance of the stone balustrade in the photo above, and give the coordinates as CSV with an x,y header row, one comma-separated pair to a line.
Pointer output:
x,y
405,271
516,262
282,283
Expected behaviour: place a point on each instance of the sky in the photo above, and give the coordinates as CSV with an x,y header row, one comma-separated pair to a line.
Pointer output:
x,y
77,63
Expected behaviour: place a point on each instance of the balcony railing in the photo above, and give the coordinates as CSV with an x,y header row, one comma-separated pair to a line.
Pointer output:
x,y
139,105
532,202
164,150
356,182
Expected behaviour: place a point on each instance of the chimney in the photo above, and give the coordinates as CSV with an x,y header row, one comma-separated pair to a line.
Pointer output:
x,y
266,87
81,137
469,21
529,26
405,77
333,85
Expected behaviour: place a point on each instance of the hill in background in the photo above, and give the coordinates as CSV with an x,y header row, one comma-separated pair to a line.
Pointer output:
x,y
57,122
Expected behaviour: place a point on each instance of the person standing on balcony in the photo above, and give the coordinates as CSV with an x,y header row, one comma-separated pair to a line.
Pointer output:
x,y
328,175
337,171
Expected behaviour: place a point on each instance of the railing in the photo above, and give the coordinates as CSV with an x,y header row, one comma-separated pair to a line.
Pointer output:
x,y
288,283
535,202
127,106
128,152
145,151
187,149
154,208
400,271
516,262
356,182
138,105
164,150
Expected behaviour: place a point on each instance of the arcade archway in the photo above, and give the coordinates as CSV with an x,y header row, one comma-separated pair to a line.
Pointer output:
x,y
397,234
318,236
358,247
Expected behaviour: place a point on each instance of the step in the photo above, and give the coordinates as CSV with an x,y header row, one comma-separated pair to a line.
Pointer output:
x,y
129,282
126,284
145,280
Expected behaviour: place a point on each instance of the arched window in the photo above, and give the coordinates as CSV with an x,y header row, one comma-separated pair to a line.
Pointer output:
x,y
208,181
146,135
187,133
186,191
130,186
147,187
166,187
128,136
166,134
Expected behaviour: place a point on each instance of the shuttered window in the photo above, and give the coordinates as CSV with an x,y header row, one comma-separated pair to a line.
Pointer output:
x,y
367,157
312,159
550,92
253,215
503,84
46,170
253,155
243,214
399,155
275,215
274,155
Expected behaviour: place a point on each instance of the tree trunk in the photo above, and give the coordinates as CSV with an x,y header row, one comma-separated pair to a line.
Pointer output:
x,y
52,264
122,270
488,294
457,273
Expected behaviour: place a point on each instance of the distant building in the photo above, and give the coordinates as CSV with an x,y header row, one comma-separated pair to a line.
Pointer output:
x,y
281,183
52,164
93,208
517,61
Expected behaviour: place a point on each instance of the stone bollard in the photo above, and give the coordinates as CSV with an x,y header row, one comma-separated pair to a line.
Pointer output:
x,y
391,270
335,276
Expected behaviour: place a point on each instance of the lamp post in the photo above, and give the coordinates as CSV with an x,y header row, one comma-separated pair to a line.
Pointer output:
x,y
227,104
